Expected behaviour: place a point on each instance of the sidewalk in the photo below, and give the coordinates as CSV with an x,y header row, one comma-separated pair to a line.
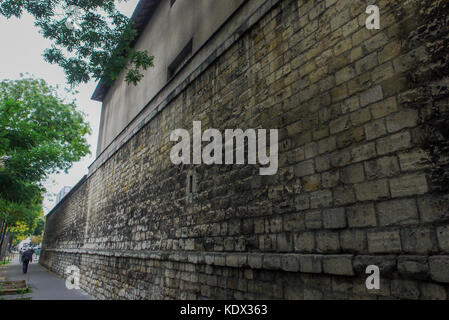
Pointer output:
x,y
44,284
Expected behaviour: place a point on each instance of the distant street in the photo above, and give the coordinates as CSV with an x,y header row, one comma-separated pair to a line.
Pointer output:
x,y
44,284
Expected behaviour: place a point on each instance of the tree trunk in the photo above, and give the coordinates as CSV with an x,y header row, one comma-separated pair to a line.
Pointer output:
x,y
2,234
3,222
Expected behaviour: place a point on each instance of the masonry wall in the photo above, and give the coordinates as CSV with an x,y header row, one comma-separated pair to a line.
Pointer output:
x,y
361,117
66,229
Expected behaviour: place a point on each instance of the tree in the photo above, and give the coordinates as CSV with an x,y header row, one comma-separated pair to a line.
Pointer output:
x,y
40,226
40,134
90,38
37,239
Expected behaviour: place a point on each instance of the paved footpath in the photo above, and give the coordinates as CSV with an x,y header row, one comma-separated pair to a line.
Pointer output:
x,y
44,284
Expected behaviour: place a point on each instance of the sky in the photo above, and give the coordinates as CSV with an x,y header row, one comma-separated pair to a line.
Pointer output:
x,y
21,52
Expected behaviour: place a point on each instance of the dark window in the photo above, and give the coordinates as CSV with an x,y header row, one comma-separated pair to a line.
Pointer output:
x,y
172,2
179,60
190,184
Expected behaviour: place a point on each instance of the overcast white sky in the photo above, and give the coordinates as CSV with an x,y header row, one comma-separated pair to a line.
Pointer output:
x,y
21,52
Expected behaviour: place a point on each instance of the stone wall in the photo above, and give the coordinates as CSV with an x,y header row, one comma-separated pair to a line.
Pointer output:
x,y
356,111
65,225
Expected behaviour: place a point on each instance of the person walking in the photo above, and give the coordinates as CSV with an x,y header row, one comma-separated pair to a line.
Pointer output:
x,y
37,252
27,257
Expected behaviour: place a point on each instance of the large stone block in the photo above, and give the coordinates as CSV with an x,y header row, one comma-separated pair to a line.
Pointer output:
x,y
372,190
290,263
353,241
408,185
338,265
334,218
384,241
419,240
439,265
382,168
361,215
397,212
310,263
413,267
353,174
304,242
327,242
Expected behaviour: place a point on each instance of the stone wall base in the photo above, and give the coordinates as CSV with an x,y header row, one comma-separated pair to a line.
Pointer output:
x,y
175,275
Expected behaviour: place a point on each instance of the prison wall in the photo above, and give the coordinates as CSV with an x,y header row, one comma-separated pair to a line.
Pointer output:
x,y
362,168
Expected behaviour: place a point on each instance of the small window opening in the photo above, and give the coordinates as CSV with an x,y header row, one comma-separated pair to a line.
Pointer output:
x,y
180,59
190,184
172,2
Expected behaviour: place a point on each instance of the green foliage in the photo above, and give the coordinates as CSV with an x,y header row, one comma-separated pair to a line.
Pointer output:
x,y
40,134
37,239
100,46
20,216
24,291
40,226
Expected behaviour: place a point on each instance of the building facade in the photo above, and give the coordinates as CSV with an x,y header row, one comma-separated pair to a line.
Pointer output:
x,y
62,193
362,177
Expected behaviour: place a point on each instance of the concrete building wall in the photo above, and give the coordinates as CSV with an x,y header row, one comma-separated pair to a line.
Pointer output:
x,y
361,169
167,33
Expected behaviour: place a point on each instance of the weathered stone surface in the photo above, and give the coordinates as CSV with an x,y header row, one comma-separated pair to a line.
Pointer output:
x,y
372,190
353,241
304,169
304,242
350,177
405,289
290,263
334,218
272,261
443,238
327,242
363,215
432,291
338,265
433,209
393,143
381,168
413,160
353,174
397,212
419,240
438,268
408,185
384,242
255,261
310,263
313,220
414,266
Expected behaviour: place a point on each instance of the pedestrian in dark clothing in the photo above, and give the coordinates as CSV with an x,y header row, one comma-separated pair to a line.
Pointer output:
x,y
27,257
